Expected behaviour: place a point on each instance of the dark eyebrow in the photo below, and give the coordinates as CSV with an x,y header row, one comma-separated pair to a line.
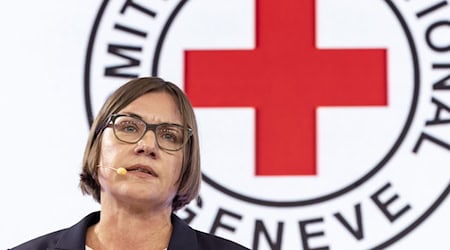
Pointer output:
x,y
140,117
131,114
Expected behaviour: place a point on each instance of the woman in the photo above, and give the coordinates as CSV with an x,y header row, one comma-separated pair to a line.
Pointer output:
x,y
139,177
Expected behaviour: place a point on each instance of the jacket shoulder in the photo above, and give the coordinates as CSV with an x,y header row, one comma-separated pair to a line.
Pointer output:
x,y
43,242
209,241
70,238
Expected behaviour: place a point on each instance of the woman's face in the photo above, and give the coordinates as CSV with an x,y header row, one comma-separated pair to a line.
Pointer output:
x,y
152,172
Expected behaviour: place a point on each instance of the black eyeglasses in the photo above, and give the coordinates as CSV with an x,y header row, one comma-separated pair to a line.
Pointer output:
x,y
130,129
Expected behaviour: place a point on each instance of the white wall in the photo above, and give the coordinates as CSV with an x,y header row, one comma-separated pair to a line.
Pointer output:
x,y
43,125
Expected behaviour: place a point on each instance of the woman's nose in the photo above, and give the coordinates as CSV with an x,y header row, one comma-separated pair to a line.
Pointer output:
x,y
147,144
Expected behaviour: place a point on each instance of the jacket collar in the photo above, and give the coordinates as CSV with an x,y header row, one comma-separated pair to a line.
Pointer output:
x,y
74,238
183,236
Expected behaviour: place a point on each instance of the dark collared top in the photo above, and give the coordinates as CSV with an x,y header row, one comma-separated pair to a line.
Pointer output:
x,y
183,238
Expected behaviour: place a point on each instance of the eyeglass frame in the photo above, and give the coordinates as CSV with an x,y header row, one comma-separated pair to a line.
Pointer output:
x,y
148,126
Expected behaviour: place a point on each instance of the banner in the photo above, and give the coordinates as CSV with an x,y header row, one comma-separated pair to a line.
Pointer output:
x,y
324,124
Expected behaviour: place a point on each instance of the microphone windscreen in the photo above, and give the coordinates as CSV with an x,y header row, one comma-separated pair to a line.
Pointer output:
x,y
121,171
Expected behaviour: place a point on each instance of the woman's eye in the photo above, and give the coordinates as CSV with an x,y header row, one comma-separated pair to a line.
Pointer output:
x,y
130,129
169,134
169,137
127,127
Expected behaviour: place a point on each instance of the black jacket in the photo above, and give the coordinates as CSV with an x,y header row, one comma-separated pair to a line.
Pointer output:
x,y
74,238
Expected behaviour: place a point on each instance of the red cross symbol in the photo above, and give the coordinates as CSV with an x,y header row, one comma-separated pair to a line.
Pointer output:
x,y
285,78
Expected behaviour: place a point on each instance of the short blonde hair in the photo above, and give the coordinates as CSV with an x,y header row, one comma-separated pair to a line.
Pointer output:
x,y
190,176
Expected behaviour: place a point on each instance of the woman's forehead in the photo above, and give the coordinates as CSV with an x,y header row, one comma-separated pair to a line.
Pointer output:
x,y
154,107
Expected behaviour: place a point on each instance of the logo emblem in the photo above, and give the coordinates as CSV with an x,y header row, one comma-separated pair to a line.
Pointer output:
x,y
322,123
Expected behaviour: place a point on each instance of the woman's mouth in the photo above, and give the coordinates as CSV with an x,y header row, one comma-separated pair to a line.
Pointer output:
x,y
142,169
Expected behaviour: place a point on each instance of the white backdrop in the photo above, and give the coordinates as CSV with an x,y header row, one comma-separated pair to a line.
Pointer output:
x,y
42,47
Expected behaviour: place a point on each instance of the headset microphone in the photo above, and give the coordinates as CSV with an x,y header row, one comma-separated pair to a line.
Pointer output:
x,y
120,171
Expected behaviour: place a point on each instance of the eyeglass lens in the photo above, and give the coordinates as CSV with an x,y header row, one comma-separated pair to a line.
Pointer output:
x,y
132,129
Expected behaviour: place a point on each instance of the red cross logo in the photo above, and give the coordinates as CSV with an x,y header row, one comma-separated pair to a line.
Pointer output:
x,y
286,78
